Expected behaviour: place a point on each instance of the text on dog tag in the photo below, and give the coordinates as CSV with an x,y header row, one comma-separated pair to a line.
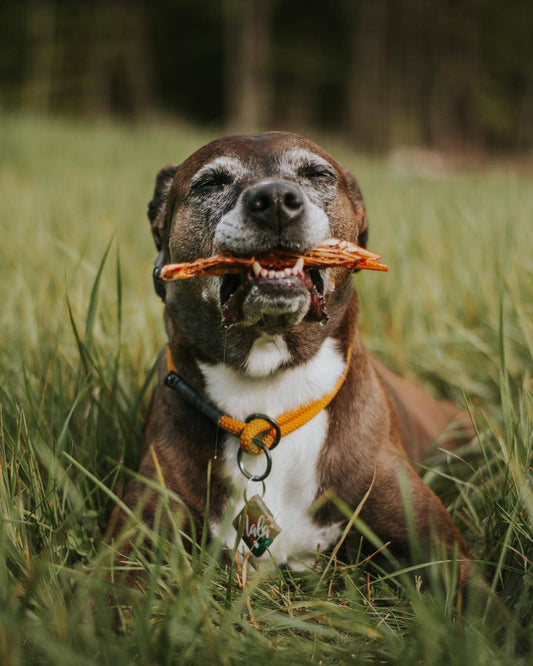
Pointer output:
x,y
258,526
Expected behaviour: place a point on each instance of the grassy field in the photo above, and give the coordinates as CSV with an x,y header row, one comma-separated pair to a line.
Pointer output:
x,y
80,335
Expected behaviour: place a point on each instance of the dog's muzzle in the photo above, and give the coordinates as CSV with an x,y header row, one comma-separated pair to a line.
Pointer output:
x,y
271,215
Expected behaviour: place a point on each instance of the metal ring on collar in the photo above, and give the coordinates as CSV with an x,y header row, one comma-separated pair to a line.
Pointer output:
x,y
258,477
245,491
271,422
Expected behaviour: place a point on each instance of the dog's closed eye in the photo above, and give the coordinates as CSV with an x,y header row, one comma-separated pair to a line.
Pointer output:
x,y
318,172
211,181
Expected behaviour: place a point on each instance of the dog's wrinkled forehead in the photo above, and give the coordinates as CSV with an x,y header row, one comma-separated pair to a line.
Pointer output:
x,y
297,165
227,164
288,164
250,158
296,160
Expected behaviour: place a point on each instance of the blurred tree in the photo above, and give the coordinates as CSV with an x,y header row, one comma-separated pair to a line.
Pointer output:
x,y
367,74
449,108
40,26
118,69
186,39
309,61
247,53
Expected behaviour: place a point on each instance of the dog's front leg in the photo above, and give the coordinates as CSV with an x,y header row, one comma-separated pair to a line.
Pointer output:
x,y
403,511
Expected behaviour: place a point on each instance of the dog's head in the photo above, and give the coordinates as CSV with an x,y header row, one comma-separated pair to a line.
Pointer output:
x,y
248,195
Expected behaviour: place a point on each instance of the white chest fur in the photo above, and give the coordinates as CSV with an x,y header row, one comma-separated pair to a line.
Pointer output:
x,y
291,487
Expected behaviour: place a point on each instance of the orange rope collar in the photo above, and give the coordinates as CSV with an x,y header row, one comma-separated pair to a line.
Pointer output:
x,y
267,432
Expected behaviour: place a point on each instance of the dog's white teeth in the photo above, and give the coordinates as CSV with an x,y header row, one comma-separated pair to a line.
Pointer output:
x,y
273,274
298,266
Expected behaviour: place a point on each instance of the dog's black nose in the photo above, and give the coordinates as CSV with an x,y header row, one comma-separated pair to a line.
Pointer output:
x,y
275,204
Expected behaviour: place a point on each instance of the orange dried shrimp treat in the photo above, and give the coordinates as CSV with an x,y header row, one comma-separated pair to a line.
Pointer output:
x,y
331,252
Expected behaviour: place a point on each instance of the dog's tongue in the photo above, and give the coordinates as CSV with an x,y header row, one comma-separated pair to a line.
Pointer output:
x,y
317,310
232,308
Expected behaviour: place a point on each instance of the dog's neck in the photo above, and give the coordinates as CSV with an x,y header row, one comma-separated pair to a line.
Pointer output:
x,y
241,394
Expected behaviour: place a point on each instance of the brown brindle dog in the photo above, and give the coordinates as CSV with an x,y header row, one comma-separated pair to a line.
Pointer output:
x,y
249,195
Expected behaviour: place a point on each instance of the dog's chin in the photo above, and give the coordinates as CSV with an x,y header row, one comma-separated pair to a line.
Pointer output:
x,y
274,306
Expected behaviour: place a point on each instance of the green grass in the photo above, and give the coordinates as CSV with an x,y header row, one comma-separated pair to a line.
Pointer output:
x,y
80,336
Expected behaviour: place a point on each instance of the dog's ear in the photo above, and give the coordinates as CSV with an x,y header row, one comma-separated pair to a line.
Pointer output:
x,y
157,208
356,199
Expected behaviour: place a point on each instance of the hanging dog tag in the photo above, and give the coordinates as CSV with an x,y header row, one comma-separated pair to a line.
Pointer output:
x,y
258,526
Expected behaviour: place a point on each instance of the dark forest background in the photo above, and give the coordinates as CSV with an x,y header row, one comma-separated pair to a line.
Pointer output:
x,y
452,75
